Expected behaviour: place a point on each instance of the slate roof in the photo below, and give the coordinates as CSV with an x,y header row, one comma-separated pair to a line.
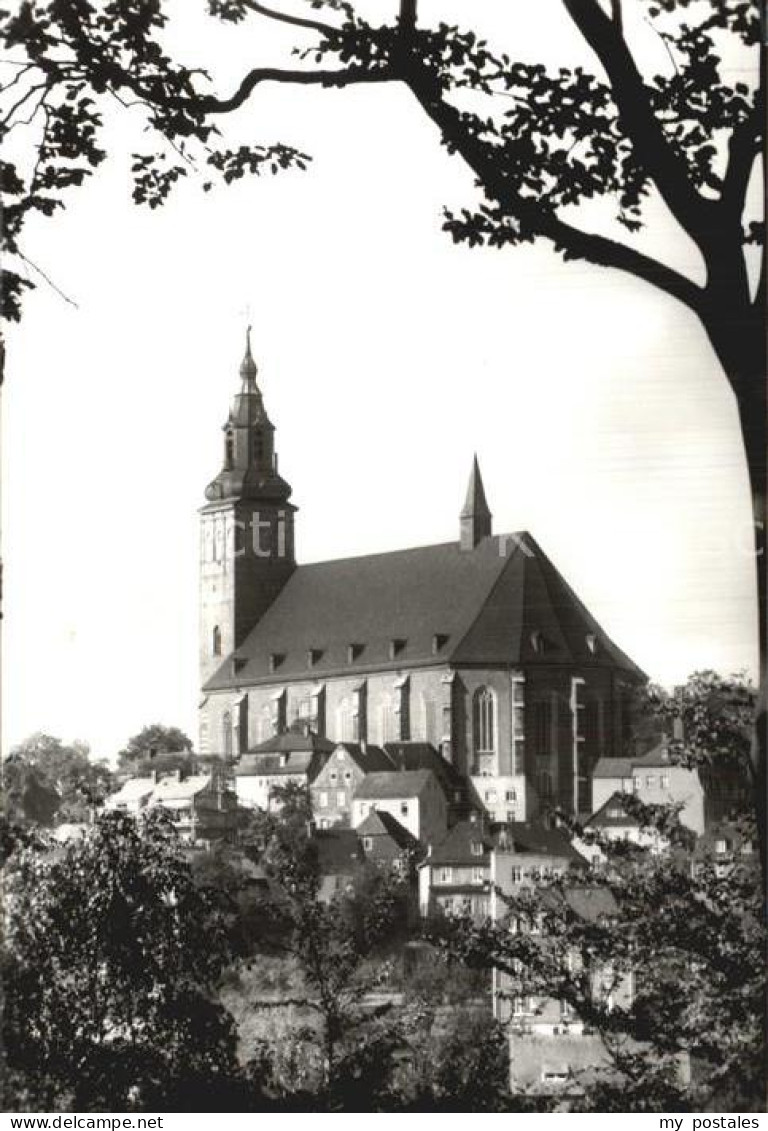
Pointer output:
x,y
285,755
370,759
423,756
293,743
379,823
393,785
602,818
613,768
656,758
488,605
456,847
132,790
171,789
518,836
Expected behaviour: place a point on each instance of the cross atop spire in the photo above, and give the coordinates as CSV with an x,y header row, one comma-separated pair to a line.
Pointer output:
x,y
248,369
475,518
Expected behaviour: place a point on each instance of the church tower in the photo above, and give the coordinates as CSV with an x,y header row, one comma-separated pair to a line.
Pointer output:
x,y
475,518
246,528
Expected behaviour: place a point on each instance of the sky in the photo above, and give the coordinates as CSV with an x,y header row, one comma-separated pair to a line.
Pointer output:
x,y
387,357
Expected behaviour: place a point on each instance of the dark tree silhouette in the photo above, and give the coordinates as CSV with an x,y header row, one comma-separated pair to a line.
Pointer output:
x,y
544,141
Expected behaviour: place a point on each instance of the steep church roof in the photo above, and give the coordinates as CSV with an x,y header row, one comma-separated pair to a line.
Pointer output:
x,y
501,603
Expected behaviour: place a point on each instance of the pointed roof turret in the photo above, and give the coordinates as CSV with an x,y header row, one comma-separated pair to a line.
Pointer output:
x,y
475,518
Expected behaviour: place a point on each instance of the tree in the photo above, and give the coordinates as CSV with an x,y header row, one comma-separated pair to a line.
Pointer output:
x,y
330,940
539,142
46,781
112,955
157,747
696,969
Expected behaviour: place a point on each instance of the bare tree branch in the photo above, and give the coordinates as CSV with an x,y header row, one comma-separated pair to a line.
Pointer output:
x,y
295,21
334,78
605,252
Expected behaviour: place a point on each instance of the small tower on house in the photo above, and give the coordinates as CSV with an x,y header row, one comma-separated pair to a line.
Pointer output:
x,y
246,528
475,518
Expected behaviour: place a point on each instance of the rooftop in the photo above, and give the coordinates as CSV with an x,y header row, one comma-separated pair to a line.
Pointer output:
x,y
394,785
502,602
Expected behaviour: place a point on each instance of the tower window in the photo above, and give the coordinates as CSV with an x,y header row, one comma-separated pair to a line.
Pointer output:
x,y
216,642
258,447
229,449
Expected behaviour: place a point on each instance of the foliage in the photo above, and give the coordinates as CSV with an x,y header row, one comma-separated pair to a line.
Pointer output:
x,y
157,747
329,938
111,957
713,716
683,931
46,781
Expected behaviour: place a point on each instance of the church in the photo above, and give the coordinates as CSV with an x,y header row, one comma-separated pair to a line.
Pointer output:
x,y
476,646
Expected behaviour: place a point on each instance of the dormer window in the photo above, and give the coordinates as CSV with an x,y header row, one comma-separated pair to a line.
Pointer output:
x,y
477,848
396,646
314,655
592,643
275,660
354,651
439,641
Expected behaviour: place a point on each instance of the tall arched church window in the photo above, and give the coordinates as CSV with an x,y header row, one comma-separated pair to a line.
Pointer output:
x,y
216,641
484,721
545,784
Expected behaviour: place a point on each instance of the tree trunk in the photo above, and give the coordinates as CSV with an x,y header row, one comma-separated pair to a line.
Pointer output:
x,y
737,333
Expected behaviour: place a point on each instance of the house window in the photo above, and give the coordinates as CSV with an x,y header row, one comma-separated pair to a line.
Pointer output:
x,y
445,876
721,846
638,782
484,721
510,795
510,815
216,644
341,799
650,781
516,875
490,796
367,843
324,800
403,808
477,848
665,781
478,875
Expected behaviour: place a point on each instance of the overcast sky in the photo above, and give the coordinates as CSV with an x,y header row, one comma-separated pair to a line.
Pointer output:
x,y
387,356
